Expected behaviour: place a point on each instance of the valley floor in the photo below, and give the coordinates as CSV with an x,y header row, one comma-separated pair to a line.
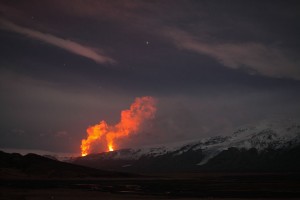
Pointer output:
x,y
68,194
183,186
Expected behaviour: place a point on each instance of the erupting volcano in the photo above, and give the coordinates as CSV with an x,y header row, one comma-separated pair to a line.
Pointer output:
x,y
142,109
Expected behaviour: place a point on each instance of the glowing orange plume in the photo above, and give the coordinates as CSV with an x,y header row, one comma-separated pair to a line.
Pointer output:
x,y
141,110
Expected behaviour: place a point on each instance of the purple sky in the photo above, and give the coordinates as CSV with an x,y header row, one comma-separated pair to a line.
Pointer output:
x,y
212,65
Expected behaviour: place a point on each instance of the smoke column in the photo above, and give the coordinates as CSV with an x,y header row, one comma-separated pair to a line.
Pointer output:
x,y
141,110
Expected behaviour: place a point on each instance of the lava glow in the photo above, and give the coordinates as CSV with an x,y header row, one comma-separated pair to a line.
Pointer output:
x,y
141,110
110,148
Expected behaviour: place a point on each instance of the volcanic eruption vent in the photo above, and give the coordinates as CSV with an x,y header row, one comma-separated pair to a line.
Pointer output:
x,y
141,110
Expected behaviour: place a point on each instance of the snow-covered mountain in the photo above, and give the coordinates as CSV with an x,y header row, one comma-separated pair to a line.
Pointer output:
x,y
268,137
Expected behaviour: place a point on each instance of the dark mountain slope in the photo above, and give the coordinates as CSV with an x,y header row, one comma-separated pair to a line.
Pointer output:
x,y
34,166
270,160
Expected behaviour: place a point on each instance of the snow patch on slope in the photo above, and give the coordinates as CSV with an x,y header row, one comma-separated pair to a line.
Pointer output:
x,y
271,134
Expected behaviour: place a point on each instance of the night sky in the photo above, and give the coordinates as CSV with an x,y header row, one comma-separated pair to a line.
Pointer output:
x,y
211,65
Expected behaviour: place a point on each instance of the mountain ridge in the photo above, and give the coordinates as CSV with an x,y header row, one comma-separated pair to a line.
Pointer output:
x,y
268,139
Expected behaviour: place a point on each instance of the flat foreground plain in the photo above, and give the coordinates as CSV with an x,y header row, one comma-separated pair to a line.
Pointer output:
x,y
179,186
